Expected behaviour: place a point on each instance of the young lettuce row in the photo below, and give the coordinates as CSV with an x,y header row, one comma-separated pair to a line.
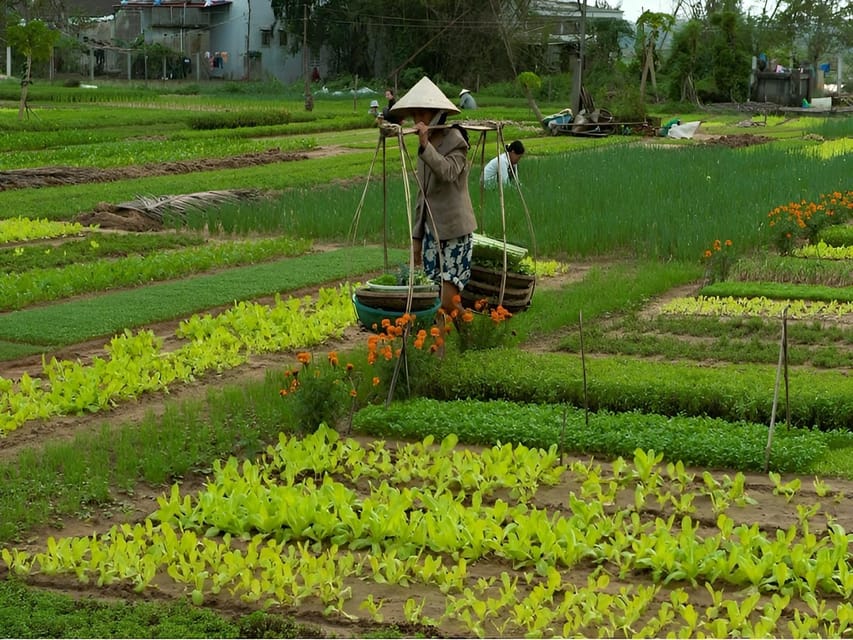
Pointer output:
x,y
788,576
136,364
444,466
21,229
824,251
761,306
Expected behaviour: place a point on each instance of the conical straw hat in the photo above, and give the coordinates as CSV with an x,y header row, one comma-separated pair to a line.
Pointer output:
x,y
424,95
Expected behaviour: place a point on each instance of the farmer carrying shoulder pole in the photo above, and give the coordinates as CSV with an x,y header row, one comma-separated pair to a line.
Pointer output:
x,y
442,240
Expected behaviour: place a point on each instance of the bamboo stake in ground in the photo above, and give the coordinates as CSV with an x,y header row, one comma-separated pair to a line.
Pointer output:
x,y
783,350
583,368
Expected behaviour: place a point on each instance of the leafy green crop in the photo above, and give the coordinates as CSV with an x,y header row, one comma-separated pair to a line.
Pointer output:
x,y
778,291
698,441
40,285
820,399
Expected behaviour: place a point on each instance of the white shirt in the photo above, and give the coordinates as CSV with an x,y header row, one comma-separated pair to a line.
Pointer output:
x,y
490,172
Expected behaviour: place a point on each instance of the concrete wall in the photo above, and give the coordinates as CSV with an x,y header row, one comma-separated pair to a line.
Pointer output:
x,y
787,89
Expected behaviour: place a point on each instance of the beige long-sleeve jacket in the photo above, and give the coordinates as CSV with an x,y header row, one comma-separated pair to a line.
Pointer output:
x,y
443,175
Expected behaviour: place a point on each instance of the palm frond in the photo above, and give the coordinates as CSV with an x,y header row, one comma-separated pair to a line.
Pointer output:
x,y
157,206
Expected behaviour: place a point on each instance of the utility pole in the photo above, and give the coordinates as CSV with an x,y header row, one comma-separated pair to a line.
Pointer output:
x,y
309,99
248,61
577,75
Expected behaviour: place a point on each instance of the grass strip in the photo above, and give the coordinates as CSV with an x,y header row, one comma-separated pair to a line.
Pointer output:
x,y
697,441
629,286
820,399
33,613
40,255
65,202
718,339
94,469
724,349
108,314
778,291
839,235
42,285
14,350
767,267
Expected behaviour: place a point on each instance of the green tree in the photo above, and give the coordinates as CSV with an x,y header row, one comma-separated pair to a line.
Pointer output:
x,y
651,27
35,40
685,62
529,83
822,26
731,54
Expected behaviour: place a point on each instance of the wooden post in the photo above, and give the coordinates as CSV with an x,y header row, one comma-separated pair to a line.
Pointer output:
x,y
309,98
782,350
384,209
583,368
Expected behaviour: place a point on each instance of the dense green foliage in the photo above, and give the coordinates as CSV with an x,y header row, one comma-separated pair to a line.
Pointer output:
x,y
46,284
28,613
819,399
237,119
700,441
768,267
94,245
111,313
779,291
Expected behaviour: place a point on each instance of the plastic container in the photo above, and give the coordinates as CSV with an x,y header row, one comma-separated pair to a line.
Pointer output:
x,y
371,317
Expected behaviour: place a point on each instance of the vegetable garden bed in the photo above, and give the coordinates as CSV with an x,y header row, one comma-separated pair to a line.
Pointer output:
x,y
421,524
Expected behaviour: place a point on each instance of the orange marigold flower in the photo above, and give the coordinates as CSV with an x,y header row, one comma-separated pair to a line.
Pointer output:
x,y
386,323
707,253
375,380
350,367
728,243
435,332
304,357
422,334
371,357
467,316
333,358
457,299
418,343
480,304
282,392
353,393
